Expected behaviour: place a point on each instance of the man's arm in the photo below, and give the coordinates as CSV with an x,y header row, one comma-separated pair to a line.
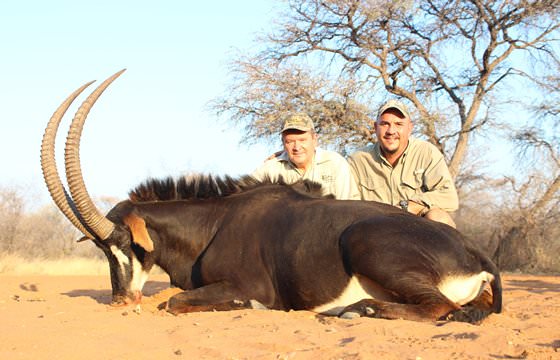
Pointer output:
x,y
438,187
269,170
346,188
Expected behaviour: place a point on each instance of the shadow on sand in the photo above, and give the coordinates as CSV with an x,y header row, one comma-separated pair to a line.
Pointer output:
x,y
104,296
535,286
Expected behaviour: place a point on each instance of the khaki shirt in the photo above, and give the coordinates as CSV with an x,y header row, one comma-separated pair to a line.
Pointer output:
x,y
420,175
329,169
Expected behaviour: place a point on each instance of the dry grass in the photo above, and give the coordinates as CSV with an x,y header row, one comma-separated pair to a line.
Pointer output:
x,y
11,264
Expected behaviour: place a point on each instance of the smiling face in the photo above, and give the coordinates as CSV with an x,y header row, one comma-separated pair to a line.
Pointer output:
x,y
300,147
393,130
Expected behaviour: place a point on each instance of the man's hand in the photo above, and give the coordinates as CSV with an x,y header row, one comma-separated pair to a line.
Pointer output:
x,y
416,208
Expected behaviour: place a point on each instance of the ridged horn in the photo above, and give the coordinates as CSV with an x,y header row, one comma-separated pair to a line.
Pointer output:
x,y
48,165
99,224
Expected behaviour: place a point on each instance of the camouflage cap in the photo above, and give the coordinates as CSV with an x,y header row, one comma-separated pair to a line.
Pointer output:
x,y
393,104
298,121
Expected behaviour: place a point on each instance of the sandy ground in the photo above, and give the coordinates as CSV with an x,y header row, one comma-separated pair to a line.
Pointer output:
x,y
68,317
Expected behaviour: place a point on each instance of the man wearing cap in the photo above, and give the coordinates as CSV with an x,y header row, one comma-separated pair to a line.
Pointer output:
x,y
302,159
404,171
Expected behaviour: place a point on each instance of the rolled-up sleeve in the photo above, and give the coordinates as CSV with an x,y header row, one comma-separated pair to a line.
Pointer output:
x,y
438,188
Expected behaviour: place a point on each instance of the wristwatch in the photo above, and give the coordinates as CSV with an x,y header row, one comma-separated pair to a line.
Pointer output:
x,y
404,205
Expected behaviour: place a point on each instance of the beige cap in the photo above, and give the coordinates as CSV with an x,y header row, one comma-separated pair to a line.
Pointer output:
x,y
298,121
393,104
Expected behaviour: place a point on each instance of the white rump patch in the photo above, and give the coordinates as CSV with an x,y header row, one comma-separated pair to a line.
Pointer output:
x,y
464,289
358,288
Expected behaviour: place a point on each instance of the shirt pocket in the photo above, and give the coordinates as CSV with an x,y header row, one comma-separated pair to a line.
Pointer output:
x,y
327,179
372,190
414,181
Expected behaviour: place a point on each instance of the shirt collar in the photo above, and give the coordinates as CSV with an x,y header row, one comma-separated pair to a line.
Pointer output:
x,y
379,155
283,157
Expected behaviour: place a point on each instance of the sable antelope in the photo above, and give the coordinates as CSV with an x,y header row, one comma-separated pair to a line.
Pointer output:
x,y
226,242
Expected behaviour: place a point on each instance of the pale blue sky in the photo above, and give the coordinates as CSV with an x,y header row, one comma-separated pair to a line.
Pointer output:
x,y
153,121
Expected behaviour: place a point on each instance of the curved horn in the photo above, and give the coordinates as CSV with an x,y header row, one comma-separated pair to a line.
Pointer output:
x,y
48,165
99,224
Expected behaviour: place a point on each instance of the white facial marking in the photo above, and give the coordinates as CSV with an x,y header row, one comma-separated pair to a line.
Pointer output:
x,y
139,276
464,289
358,288
121,258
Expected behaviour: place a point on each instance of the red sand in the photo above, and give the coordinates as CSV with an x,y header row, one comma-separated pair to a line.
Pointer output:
x,y
68,317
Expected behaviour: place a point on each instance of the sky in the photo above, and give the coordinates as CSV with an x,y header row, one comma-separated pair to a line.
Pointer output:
x,y
154,120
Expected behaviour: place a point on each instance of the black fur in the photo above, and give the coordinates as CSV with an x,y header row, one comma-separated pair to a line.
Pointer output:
x,y
223,240
201,186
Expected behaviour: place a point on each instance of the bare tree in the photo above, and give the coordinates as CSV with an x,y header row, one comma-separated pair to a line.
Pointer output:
x,y
529,234
463,66
40,233
525,238
45,233
12,210
265,94
450,59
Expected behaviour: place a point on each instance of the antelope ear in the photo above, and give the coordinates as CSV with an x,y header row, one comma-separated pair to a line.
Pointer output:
x,y
140,235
